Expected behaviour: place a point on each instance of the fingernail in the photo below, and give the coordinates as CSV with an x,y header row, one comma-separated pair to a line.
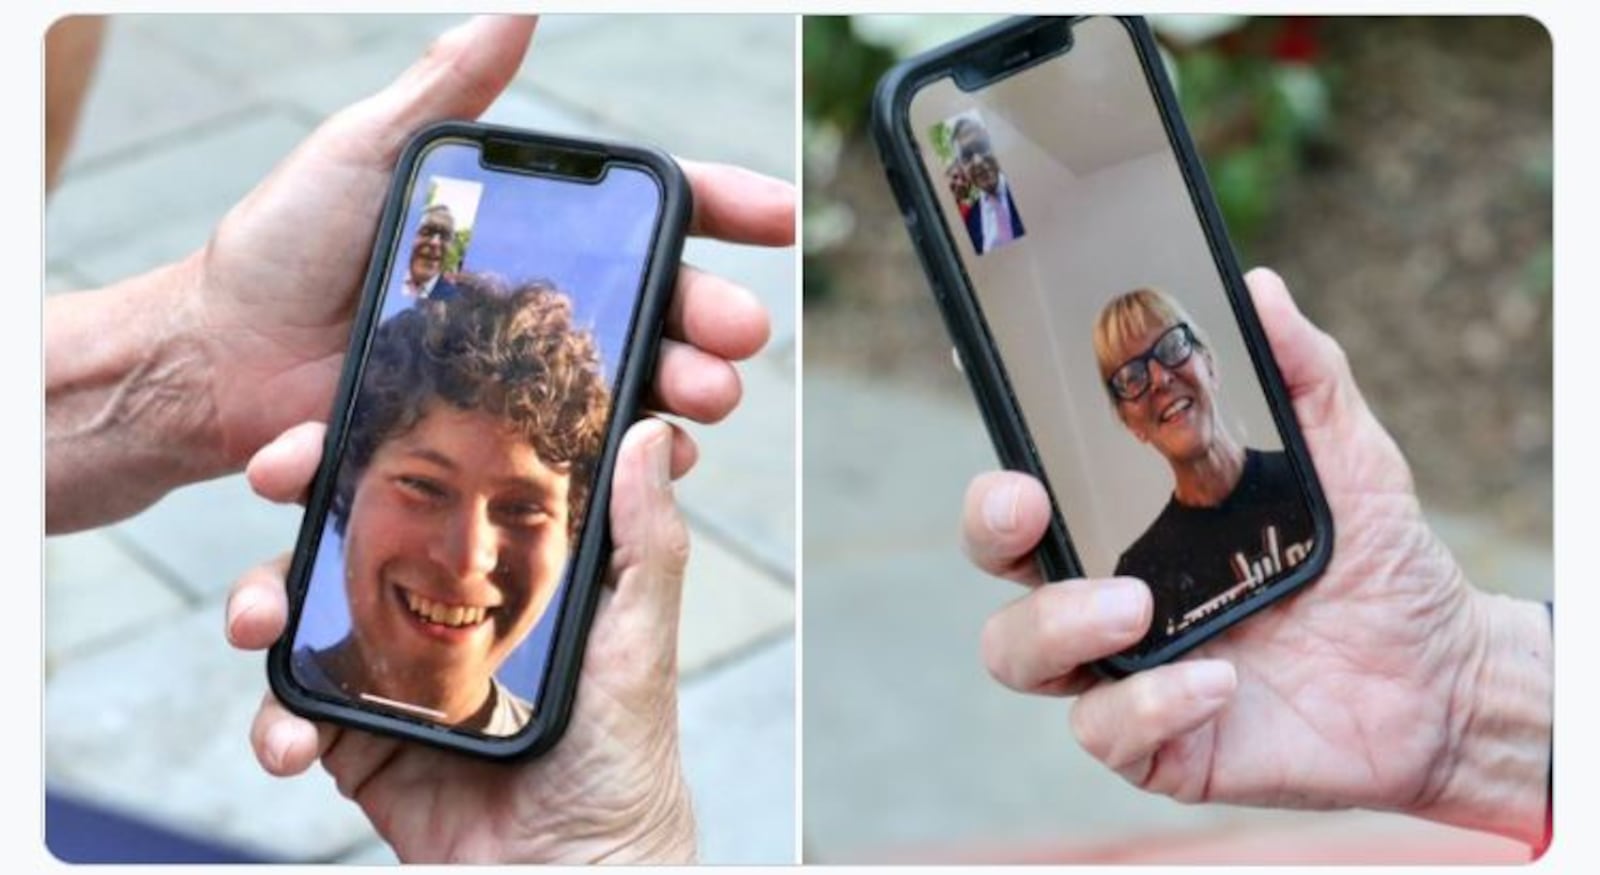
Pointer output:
x,y
1000,507
1211,679
658,446
1121,604
238,608
280,737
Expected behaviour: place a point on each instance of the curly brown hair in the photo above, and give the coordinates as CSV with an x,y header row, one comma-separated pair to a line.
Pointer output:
x,y
509,351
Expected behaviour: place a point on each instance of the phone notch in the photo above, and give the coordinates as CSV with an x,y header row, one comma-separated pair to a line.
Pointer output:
x,y
544,159
1052,37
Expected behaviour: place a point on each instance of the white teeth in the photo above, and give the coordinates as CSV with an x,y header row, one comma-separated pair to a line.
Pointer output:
x,y
442,614
1176,408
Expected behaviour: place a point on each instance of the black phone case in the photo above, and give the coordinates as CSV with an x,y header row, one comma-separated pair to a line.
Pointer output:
x,y
635,370
1002,414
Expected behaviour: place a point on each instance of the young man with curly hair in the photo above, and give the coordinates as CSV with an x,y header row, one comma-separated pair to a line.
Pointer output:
x,y
467,470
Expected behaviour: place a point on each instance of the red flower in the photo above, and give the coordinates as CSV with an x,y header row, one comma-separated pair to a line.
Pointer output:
x,y
1296,42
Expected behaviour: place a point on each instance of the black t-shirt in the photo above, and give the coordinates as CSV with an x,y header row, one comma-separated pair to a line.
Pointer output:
x,y
1200,560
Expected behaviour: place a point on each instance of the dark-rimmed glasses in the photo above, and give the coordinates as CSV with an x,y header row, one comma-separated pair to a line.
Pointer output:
x,y
1171,349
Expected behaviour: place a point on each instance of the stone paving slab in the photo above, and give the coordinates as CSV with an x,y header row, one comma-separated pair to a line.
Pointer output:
x,y
98,593
910,744
321,86
317,90
729,604
130,256
744,488
246,47
729,98
240,48
884,468
123,110
334,81
159,726
206,535
737,727
199,176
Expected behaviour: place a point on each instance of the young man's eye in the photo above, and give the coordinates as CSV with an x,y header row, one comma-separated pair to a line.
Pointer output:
x,y
525,513
421,487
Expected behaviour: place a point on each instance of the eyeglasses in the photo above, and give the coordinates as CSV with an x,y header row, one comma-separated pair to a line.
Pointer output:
x,y
441,232
974,150
974,145
1171,349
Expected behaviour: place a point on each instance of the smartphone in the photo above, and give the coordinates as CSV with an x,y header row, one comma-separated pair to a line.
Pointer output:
x,y
454,539
1064,221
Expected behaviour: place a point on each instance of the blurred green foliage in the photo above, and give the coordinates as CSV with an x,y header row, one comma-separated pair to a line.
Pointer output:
x,y
457,251
1255,102
840,71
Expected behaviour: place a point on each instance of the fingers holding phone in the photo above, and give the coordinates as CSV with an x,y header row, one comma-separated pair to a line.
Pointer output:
x,y
1005,515
1046,641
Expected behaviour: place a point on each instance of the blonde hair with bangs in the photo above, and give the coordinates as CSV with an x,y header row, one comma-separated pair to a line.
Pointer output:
x,y
1133,314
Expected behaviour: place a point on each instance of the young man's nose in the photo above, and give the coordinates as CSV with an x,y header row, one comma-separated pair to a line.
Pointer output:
x,y
469,546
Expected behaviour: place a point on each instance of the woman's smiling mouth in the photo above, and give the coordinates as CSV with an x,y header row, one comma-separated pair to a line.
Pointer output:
x,y
1176,409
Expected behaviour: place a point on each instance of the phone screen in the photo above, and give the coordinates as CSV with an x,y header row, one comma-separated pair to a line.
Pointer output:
x,y
1065,201
473,438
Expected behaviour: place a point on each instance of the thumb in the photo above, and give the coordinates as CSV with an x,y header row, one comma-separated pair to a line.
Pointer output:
x,y
282,470
1315,370
461,73
649,537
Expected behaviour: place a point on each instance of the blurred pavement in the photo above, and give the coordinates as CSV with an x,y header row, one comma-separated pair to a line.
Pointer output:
x,y
147,708
912,753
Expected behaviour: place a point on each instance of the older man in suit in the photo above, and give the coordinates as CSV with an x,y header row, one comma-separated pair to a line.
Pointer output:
x,y
992,221
425,279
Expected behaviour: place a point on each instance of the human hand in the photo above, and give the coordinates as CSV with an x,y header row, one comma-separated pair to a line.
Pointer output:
x,y
1388,683
611,790
269,301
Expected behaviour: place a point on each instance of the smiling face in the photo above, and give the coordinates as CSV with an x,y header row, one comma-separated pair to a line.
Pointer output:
x,y
428,246
985,172
466,477
456,540
977,156
1177,412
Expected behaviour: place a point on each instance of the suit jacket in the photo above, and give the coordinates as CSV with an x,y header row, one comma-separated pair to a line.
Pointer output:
x,y
974,220
443,290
